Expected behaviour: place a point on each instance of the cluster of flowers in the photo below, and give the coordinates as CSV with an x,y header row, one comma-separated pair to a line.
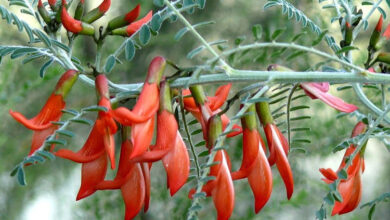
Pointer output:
x,y
123,25
138,153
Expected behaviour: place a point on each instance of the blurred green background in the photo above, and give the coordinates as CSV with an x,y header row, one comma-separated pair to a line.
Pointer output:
x,y
52,187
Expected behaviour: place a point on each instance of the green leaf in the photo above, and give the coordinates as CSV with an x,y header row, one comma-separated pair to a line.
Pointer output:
x,y
346,49
342,174
158,3
144,35
110,63
329,199
196,132
199,195
337,196
44,67
277,33
129,50
257,31
382,12
95,108
195,52
156,22
38,158
201,143
65,133
46,154
204,153
239,40
43,37
70,111
56,141
21,177
180,33
82,121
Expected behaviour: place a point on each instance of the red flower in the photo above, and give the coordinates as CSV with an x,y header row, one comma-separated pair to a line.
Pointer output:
x,y
350,188
169,146
51,111
73,25
100,140
221,189
130,179
144,109
320,91
210,107
254,164
135,26
278,146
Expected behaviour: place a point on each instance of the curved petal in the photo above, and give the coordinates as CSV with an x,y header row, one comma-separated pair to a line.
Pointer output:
x,y
250,148
355,197
220,97
260,180
329,99
223,192
51,111
39,138
282,162
329,174
135,26
141,136
91,174
178,165
133,192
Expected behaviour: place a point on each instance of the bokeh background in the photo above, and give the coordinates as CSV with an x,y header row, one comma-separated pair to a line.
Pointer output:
x,y
52,187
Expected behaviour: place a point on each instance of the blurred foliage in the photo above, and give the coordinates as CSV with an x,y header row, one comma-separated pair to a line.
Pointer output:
x,y
21,89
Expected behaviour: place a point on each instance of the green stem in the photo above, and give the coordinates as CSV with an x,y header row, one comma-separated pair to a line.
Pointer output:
x,y
291,46
187,130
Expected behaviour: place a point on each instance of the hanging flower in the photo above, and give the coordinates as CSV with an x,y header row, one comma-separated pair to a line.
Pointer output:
x,y
141,118
130,179
254,164
351,187
221,188
319,91
169,147
98,146
41,124
278,146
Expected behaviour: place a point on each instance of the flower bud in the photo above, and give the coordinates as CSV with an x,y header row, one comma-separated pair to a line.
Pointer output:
x,y
264,114
214,130
97,13
124,20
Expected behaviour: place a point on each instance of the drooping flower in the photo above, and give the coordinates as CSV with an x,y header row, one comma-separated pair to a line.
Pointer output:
x,y
319,91
351,187
278,146
141,118
202,107
169,146
254,164
99,145
130,179
221,188
41,124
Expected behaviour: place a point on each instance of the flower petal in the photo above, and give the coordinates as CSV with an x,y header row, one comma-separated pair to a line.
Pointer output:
x,y
329,99
141,136
133,192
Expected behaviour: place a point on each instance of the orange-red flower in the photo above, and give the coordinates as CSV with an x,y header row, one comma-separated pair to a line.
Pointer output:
x,y
278,146
221,188
210,106
98,146
144,110
41,124
350,188
254,164
132,179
